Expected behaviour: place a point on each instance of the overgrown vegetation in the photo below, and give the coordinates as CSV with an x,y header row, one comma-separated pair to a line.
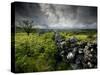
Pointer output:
x,y
38,52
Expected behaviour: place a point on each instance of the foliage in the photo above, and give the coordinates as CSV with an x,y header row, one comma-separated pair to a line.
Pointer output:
x,y
37,52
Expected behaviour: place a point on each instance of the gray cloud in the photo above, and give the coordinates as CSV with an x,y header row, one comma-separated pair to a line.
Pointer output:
x,y
57,16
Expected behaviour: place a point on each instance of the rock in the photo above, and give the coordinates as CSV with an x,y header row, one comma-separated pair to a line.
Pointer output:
x,y
70,55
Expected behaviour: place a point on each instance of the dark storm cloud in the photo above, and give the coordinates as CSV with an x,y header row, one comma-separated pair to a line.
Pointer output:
x,y
57,16
29,11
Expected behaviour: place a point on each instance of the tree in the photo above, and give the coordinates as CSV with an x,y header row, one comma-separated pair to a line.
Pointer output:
x,y
27,26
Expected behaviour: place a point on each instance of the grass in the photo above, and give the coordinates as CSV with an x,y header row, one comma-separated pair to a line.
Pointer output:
x,y
37,52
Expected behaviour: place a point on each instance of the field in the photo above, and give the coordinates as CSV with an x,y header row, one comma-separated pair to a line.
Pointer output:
x,y
39,52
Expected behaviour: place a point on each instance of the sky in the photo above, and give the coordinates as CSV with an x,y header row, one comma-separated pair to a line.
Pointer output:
x,y
56,16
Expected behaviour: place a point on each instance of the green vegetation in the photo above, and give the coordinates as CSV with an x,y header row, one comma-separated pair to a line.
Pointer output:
x,y
36,52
